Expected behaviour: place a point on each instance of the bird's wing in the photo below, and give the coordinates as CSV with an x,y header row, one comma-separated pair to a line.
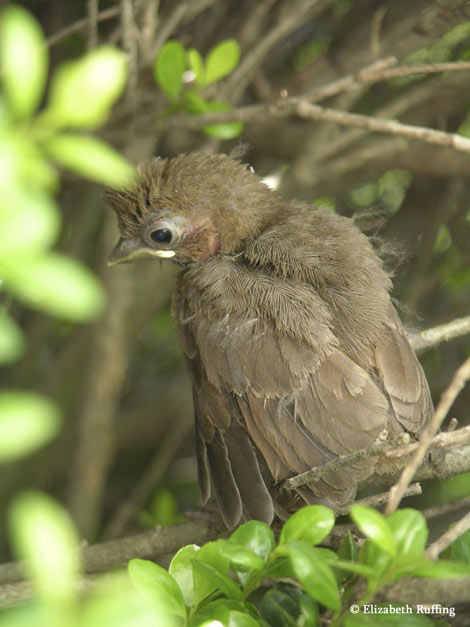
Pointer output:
x,y
403,377
300,407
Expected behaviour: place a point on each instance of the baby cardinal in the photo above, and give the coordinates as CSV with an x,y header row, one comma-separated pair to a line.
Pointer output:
x,y
295,351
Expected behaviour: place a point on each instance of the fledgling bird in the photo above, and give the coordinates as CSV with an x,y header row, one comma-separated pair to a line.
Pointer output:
x,y
295,350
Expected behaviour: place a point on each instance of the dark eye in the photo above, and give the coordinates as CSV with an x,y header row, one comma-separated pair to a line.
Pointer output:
x,y
161,236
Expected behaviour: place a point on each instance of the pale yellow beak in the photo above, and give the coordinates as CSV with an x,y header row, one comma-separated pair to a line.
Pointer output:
x,y
127,250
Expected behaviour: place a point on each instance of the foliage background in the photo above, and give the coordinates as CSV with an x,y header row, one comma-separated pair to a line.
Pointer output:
x,y
120,380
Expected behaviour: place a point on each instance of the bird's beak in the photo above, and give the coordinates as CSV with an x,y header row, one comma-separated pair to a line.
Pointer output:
x,y
127,250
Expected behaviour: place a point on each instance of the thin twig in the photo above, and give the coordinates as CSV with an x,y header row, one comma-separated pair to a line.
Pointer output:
x,y
433,551
376,500
308,111
168,26
92,7
447,508
82,24
460,378
380,71
441,333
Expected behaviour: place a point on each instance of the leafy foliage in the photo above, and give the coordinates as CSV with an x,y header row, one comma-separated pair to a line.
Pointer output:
x,y
174,63
220,580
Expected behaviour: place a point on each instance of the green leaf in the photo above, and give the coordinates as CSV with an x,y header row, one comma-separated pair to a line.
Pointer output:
x,y
460,548
226,612
279,567
43,536
409,530
374,526
242,557
279,609
210,554
443,239
27,421
311,524
91,158
181,569
221,60
23,54
348,548
352,567
224,130
55,284
11,341
31,225
157,586
82,92
314,574
169,68
255,536
218,580
196,64
422,567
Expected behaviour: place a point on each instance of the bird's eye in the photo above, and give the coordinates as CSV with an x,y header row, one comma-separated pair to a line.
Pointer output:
x,y
161,236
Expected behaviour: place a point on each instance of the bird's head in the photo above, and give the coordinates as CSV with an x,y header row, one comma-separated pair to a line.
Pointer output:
x,y
189,208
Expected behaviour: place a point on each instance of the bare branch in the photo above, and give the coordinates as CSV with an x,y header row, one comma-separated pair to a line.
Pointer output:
x,y
92,6
82,24
442,333
460,378
376,500
447,508
433,551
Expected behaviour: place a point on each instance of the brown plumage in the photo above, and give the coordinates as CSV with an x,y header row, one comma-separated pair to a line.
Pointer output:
x,y
295,350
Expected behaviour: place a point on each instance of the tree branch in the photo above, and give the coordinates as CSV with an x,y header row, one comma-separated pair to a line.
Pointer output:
x,y
433,551
441,333
460,378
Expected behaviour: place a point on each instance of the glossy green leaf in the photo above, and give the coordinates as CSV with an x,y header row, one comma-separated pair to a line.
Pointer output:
x,y
279,568
44,537
221,60
210,554
169,68
31,225
196,64
460,548
311,524
91,158
11,341
348,548
241,556
55,284
27,421
181,569
158,586
422,567
218,580
255,536
23,60
374,526
314,574
83,91
410,531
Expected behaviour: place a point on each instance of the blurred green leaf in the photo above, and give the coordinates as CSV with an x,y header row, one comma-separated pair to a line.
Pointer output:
x,y
406,566
181,569
157,586
410,531
221,60
348,548
225,130
327,202
83,91
459,550
91,158
314,574
27,421
43,536
11,341
374,526
31,225
255,536
55,284
443,239
164,509
309,51
464,128
311,524
169,68
23,59
391,189
196,64
364,195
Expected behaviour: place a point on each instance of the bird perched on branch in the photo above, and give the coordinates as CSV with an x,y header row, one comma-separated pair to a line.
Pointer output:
x,y
295,351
